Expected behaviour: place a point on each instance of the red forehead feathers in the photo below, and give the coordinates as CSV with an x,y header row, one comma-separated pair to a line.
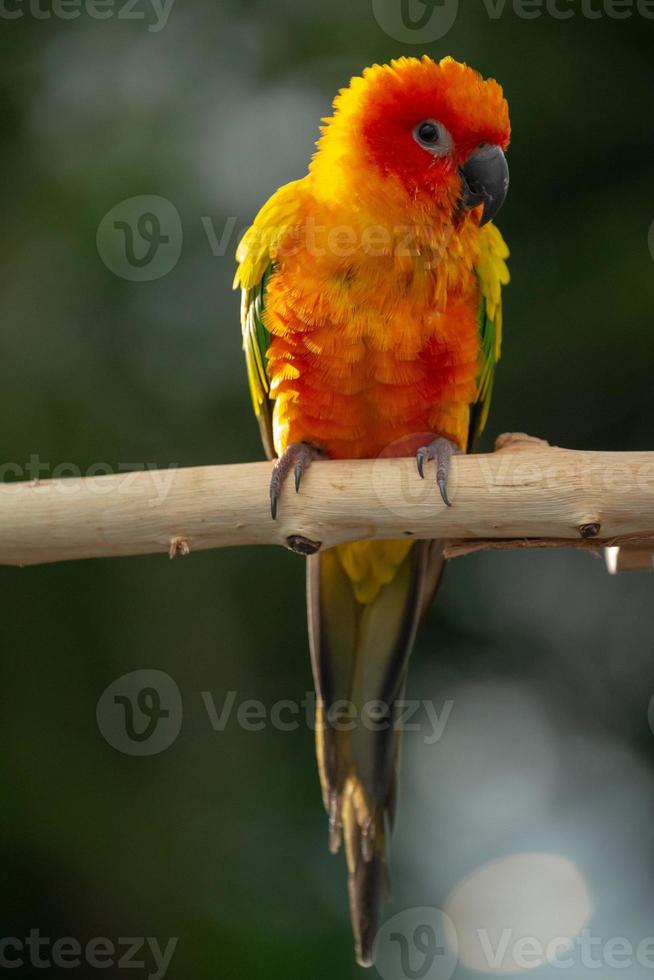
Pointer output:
x,y
400,95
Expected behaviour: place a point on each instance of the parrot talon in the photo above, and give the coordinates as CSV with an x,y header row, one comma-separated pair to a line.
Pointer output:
x,y
441,450
297,457
442,486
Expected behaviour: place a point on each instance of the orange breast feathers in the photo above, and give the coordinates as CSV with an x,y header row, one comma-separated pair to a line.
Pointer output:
x,y
374,333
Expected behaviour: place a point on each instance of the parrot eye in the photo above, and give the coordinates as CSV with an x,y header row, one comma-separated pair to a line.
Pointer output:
x,y
433,137
428,133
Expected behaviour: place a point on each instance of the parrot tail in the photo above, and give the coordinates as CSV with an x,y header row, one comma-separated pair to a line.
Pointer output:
x,y
364,603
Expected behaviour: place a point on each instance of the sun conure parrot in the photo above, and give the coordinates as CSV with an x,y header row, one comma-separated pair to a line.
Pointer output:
x,y
371,316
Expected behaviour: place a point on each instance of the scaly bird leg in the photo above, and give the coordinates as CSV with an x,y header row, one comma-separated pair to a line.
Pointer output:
x,y
297,457
441,450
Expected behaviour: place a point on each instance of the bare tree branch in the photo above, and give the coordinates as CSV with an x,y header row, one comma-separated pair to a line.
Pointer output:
x,y
526,494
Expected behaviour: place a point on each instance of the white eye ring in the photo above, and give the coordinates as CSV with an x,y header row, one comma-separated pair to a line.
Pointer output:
x,y
433,137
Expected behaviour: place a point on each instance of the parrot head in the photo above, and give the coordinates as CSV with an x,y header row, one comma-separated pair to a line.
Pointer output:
x,y
424,135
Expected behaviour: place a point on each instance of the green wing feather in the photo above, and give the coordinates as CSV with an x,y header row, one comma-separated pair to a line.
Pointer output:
x,y
256,340
492,273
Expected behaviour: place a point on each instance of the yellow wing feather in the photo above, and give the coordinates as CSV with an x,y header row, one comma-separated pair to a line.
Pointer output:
x,y
255,256
492,273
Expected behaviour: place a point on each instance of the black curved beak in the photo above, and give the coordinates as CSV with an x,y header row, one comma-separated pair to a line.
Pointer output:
x,y
485,180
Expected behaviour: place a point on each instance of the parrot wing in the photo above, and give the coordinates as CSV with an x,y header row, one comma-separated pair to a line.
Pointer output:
x,y
492,273
256,262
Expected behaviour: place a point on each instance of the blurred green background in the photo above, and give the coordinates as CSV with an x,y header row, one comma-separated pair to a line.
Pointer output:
x,y
220,839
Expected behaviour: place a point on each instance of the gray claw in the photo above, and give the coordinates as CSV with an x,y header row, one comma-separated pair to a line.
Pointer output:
x,y
442,486
441,450
275,489
297,457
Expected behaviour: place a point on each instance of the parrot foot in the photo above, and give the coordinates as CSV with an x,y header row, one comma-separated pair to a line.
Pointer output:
x,y
297,457
441,450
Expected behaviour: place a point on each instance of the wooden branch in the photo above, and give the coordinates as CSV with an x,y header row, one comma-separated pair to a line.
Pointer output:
x,y
526,494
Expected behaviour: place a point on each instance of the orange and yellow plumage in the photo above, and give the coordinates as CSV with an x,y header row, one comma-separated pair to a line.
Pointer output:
x,y
372,320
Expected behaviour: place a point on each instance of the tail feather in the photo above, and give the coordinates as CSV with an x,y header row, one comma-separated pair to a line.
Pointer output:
x,y
368,888
361,633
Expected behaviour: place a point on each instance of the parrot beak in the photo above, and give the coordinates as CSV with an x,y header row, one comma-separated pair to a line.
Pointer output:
x,y
485,180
